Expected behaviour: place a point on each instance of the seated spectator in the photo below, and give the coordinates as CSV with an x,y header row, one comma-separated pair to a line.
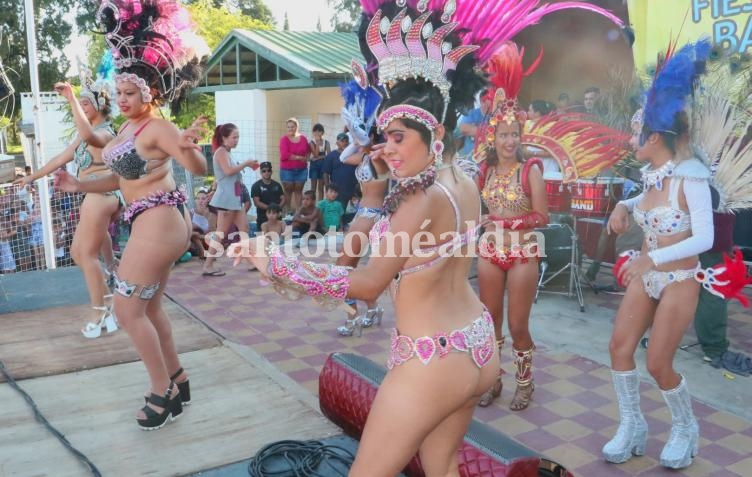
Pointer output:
x,y
352,208
201,225
274,226
7,232
308,217
331,209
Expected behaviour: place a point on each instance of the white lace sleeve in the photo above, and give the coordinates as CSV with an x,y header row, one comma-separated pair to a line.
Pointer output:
x,y
697,194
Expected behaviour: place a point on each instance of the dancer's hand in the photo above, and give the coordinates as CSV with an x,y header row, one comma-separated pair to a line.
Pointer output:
x,y
190,136
64,89
618,222
635,269
66,182
253,251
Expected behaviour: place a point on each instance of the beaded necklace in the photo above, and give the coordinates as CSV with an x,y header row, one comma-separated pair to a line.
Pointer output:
x,y
500,194
408,186
654,177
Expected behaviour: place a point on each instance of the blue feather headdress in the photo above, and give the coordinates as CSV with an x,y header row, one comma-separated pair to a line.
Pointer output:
x,y
100,91
673,83
361,107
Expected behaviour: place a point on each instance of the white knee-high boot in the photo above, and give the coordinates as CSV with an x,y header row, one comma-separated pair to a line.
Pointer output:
x,y
632,434
683,442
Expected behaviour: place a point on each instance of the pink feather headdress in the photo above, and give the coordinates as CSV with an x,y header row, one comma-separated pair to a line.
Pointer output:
x,y
154,45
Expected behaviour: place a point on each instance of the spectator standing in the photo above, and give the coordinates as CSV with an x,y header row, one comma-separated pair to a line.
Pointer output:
x,y
340,174
266,191
294,152
320,148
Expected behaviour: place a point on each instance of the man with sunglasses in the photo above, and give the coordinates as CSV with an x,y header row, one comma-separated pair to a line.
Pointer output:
x,y
266,191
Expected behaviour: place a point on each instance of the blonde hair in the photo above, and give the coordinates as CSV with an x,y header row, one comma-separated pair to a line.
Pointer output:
x,y
294,121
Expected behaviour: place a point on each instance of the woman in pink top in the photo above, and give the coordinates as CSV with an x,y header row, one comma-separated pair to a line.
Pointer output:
x,y
294,152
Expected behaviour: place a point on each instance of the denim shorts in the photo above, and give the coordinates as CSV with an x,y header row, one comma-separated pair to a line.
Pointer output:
x,y
316,169
299,176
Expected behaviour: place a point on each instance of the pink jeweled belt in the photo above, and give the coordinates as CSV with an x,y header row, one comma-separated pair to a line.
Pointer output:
x,y
477,339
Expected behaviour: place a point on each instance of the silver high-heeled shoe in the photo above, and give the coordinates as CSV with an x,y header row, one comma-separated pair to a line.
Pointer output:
x,y
351,327
107,321
373,316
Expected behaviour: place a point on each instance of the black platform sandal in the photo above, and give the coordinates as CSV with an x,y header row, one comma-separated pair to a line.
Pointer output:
x,y
171,409
184,387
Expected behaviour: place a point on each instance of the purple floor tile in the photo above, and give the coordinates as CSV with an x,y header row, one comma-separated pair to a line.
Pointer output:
x,y
316,360
290,342
367,349
588,381
721,456
592,443
539,439
713,432
266,327
539,415
590,399
584,364
304,375
599,468
279,355
593,420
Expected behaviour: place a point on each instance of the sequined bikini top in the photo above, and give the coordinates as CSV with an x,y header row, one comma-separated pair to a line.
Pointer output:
x,y
81,154
381,228
500,193
664,220
365,171
123,159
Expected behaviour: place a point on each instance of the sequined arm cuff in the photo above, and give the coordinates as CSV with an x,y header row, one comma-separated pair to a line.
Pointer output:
x,y
293,278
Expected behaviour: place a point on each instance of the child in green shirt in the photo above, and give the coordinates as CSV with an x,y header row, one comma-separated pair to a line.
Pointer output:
x,y
331,209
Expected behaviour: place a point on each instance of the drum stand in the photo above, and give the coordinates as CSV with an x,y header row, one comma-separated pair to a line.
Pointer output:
x,y
573,267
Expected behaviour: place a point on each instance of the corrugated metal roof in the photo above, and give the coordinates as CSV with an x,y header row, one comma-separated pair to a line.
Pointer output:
x,y
321,54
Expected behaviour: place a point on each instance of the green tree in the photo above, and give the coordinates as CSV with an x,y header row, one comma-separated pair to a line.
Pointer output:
x,y
215,23
52,30
257,10
347,14
286,24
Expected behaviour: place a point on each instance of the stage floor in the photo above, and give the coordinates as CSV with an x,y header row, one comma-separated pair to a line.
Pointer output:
x,y
244,344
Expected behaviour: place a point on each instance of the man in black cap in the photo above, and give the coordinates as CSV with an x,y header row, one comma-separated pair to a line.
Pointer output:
x,y
266,191
340,174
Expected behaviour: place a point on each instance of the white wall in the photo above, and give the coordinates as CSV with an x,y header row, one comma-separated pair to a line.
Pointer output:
x,y
54,125
246,109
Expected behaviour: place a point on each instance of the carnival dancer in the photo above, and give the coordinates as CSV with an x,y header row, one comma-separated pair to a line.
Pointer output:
x,y
514,191
443,344
157,60
674,211
91,115
359,114
515,194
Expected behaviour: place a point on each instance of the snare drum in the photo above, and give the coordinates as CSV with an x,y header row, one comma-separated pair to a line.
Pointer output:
x,y
596,197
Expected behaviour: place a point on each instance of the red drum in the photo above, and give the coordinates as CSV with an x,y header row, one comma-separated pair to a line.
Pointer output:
x,y
596,197
559,196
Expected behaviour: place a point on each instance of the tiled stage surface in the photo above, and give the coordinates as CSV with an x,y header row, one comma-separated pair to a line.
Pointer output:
x,y
574,410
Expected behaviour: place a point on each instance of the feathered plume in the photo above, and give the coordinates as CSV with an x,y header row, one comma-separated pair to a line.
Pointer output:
x,y
491,23
505,73
360,109
673,83
727,280
720,124
582,147
154,39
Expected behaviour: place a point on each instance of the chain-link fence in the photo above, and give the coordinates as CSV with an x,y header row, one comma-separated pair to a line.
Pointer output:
x,y
22,236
